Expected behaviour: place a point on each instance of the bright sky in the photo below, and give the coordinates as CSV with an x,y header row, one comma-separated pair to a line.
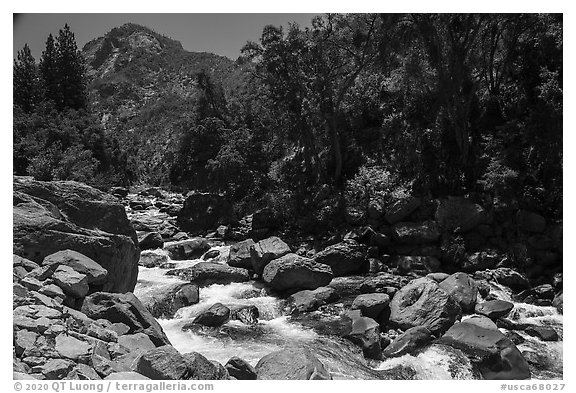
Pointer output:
x,y
222,34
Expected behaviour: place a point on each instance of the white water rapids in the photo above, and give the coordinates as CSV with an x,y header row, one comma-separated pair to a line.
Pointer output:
x,y
344,361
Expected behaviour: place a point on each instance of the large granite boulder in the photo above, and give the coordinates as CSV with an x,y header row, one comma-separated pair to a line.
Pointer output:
x,y
216,315
95,274
294,272
462,288
496,355
151,240
362,331
409,341
208,273
187,249
164,362
265,251
127,309
239,255
504,276
423,303
459,214
494,309
52,216
345,258
240,369
200,368
203,211
307,300
371,304
291,364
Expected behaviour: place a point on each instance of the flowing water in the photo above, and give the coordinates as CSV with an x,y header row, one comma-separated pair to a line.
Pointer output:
x,y
342,359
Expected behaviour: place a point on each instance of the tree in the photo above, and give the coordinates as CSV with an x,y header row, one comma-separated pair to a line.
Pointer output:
x,y
49,72
26,83
70,71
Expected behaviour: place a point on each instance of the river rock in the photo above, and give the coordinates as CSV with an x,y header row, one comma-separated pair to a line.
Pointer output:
x,y
151,259
240,369
505,276
95,274
494,309
216,315
150,241
345,258
371,304
291,364
293,272
248,315
200,368
496,355
127,309
240,254
164,362
203,211
459,214
364,332
267,250
187,249
423,303
401,209
462,288
165,300
208,273
307,300
409,341
416,233
544,333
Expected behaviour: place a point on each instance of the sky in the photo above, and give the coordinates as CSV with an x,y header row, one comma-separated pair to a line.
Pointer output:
x,y
222,34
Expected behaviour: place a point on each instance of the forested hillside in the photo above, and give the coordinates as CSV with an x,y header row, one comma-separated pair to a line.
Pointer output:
x,y
320,124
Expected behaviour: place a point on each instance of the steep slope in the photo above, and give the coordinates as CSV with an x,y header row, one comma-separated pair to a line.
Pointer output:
x,y
144,86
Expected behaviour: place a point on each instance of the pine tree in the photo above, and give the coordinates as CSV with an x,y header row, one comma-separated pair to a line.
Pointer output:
x,y
26,83
70,67
49,72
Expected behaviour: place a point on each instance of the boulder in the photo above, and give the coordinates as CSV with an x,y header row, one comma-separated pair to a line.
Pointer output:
x,y
83,372
72,283
151,259
150,241
291,364
459,214
364,332
544,333
126,309
416,233
463,289
56,368
265,251
371,304
409,341
496,355
71,348
208,273
345,258
203,211
293,272
216,315
530,221
187,249
26,264
24,339
138,342
120,192
438,277
54,216
248,315
307,300
505,276
95,274
165,300
494,309
164,362
240,254
200,368
240,369
481,260
558,302
423,303
401,209
408,263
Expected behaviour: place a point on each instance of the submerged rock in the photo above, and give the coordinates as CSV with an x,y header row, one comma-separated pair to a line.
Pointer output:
x,y
291,364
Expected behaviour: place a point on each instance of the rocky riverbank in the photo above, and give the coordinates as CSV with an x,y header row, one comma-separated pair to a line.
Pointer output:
x,y
396,284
